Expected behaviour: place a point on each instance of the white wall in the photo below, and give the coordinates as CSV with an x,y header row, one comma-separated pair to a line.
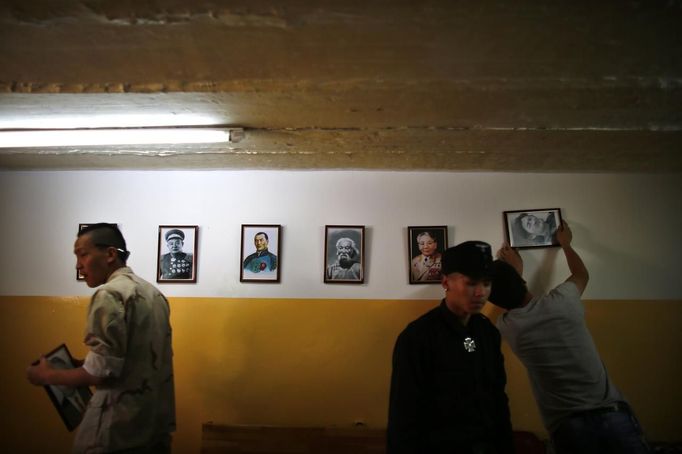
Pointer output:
x,y
626,227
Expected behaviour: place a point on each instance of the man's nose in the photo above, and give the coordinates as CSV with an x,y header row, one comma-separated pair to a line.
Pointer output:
x,y
479,290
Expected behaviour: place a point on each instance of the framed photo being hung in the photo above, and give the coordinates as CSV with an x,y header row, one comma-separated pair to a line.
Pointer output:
x,y
532,228
69,402
344,254
177,254
260,259
426,246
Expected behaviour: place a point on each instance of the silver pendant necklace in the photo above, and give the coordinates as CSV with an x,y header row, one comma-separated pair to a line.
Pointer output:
x,y
469,345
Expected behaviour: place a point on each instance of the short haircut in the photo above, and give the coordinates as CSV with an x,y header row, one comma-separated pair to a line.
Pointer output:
x,y
261,233
508,288
106,235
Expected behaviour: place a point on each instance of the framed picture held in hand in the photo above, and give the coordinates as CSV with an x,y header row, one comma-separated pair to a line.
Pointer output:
x,y
536,228
69,402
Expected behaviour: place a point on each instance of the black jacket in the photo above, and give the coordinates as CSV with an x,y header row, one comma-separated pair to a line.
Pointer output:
x,y
444,398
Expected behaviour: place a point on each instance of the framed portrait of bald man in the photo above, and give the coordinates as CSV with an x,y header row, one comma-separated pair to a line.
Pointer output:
x,y
344,254
177,257
260,259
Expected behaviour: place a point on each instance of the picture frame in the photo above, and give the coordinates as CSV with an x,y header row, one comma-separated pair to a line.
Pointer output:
x,y
260,260
425,245
79,276
536,228
69,402
344,254
177,254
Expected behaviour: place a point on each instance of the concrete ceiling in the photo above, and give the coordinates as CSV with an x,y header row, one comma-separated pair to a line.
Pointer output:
x,y
547,86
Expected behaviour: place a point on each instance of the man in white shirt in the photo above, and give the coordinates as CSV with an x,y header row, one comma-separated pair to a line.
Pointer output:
x,y
581,408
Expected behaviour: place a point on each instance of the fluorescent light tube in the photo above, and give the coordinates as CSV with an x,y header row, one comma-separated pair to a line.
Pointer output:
x,y
122,136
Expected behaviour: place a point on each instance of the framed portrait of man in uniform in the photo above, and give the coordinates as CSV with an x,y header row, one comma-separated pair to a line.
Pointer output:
x,y
260,259
177,257
344,254
426,246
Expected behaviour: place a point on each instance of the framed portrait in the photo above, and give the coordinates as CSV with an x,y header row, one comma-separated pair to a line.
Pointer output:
x,y
344,254
177,254
69,402
79,276
260,258
532,228
426,246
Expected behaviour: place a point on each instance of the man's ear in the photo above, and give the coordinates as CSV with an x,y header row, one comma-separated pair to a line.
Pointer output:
x,y
444,282
112,254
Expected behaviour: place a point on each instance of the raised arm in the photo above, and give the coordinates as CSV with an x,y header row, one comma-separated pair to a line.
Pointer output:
x,y
579,275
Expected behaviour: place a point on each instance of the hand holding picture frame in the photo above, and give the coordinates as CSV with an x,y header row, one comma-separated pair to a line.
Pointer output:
x,y
69,402
536,228
344,254
425,246
177,254
260,258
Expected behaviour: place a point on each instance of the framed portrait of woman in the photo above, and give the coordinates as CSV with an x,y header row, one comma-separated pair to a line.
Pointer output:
x,y
426,245
536,228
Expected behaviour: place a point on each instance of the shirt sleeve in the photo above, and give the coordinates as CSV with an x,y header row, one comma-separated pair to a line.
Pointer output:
x,y
106,335
565,297
566,289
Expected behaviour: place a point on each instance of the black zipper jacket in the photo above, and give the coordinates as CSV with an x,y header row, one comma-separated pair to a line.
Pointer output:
x,y
447,387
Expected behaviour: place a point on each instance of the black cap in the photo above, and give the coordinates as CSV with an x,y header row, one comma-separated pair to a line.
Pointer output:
x,y
471,258
175,233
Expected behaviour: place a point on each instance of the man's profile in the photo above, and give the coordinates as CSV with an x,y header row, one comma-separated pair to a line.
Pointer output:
x,y
130,355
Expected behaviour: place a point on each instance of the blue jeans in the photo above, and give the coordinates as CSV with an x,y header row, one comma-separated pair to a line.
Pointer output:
x,y
616,432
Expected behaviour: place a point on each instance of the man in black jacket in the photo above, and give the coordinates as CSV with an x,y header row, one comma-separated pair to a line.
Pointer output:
x,y
447,387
